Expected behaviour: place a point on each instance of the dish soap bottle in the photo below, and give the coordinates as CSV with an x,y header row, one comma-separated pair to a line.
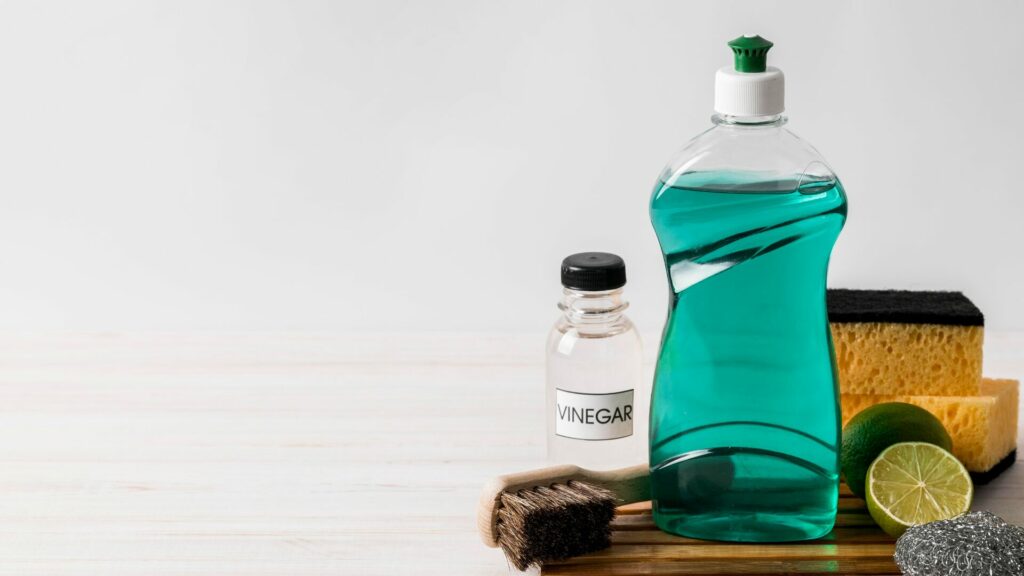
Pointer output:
x,y
596,401
745,424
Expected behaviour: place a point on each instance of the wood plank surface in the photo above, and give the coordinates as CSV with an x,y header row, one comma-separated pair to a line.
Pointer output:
x,y
855,547
717,567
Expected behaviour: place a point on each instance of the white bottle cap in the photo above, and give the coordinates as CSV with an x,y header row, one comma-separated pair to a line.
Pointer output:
x,y
750,93
750,88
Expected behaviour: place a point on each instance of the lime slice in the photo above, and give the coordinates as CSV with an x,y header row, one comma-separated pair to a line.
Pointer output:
x,y
913,483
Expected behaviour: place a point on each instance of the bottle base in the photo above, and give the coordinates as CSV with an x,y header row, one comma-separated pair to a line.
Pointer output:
x,y
744,495
759,527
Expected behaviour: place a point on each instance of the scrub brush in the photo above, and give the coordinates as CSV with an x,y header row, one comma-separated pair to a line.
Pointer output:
x,y
556,513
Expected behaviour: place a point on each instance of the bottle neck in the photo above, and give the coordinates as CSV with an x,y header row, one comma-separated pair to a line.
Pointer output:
x,y
772,121
604,307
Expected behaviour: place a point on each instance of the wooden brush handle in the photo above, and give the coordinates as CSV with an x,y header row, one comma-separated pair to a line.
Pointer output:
x,y
628,484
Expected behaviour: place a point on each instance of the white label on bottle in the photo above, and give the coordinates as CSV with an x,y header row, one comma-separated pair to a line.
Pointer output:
x,y
593,416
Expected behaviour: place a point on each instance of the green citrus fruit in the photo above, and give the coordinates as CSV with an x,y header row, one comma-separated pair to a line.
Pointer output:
x,y
913,483
880,426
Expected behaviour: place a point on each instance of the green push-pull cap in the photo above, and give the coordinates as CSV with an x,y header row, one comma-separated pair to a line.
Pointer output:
x,y
750,53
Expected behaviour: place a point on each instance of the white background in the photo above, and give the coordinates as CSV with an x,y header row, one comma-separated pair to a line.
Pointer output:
x,y
426,165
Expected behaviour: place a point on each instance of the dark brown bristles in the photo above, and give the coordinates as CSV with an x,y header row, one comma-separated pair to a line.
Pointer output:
x,y
554,523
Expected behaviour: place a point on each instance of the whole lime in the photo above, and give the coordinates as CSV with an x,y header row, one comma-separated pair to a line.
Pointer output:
x,y
876,428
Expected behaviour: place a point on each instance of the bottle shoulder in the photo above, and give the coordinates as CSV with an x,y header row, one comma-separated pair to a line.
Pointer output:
x,y
566,336
768,153
593,329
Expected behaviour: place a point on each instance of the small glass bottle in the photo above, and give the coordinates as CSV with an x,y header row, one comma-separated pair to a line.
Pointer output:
x,y
596,399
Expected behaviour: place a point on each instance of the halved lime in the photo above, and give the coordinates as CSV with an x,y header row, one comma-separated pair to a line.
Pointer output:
x,y
913,483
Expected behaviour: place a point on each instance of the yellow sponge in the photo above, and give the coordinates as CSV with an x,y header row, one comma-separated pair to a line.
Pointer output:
x,y
919,343
983,426
915,359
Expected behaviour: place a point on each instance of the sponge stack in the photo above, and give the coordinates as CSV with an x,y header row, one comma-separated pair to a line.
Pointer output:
x,y
925,348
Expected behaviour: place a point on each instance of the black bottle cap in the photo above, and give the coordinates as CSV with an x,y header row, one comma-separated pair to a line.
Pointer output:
x,y
593,271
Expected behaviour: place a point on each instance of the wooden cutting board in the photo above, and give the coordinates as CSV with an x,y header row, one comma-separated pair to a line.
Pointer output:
x,y
855,547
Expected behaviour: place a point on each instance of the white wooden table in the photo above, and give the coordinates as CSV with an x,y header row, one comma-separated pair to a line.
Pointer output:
x,y
283,454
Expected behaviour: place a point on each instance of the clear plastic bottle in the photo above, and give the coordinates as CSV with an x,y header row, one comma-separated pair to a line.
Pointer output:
x,y
745,423
596,399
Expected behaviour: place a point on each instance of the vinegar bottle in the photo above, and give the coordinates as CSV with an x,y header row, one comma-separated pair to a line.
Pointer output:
x,y
745,424
596,397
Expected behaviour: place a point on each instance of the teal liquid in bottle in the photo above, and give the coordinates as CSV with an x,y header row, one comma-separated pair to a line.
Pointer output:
x,y
745,423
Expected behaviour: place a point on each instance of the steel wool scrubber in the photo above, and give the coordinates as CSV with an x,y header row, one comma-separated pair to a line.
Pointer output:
x,y
973,544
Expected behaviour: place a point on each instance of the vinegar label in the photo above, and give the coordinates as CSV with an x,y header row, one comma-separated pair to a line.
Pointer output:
x,y
593,416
